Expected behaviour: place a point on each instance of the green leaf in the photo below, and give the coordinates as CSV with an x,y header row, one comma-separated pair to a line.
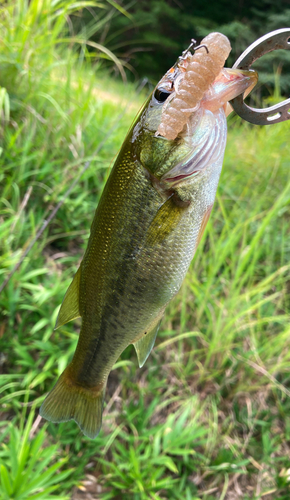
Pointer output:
x,y
168,462
5,480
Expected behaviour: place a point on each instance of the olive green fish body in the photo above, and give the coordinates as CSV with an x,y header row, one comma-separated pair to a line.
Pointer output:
x,y
146,229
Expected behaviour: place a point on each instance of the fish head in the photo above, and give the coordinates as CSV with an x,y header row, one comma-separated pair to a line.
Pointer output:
x,y
155,153
202,140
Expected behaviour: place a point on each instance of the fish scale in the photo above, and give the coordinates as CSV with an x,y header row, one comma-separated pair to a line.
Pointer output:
x,y
145,231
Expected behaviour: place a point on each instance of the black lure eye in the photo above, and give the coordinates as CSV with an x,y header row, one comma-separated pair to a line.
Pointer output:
x,y
161,94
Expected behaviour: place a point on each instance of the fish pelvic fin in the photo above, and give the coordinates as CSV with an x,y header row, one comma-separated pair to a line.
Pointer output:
x,y
69,308
144,346
70,401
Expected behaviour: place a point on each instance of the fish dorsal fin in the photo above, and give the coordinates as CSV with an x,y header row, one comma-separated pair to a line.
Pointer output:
x,y
69,308
144,345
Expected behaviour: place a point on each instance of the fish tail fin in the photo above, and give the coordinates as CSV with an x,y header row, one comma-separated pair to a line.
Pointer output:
x,y
67,401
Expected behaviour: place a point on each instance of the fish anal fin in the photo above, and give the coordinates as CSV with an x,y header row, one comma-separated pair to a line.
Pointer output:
x,y
70,401
144,346
69,308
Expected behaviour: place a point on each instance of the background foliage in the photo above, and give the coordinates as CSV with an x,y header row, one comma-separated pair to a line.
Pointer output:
x,y
155,32
207,417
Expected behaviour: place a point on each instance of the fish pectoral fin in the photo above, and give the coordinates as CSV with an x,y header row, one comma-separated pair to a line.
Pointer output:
x,y
144,346
69,308
164,222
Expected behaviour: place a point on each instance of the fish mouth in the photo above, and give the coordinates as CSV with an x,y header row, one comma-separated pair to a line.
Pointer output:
x,y
229,84
245,80
206,129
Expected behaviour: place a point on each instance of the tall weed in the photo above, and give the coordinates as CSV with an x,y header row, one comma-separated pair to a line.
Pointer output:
x,y
208,413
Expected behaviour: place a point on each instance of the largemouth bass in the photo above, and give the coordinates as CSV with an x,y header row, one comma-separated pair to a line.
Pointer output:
x,y
147,226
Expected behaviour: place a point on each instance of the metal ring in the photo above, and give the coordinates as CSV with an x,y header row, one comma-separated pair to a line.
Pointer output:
x,y
275,40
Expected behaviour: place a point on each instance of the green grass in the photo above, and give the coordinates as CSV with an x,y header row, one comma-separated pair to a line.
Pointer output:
x,y
208,416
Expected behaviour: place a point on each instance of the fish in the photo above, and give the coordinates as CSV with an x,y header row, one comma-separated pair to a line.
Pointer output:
x,y
148,223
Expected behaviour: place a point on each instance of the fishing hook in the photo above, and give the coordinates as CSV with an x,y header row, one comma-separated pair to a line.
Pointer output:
x,y
192,46
202,46
279,39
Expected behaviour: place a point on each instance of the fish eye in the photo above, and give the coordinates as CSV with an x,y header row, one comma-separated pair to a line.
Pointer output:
x,y
161,94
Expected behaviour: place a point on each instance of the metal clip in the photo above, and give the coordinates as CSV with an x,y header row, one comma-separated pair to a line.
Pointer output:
x,y
275,40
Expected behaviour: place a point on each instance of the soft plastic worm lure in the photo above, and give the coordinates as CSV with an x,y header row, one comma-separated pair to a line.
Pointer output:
x,y
198,72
